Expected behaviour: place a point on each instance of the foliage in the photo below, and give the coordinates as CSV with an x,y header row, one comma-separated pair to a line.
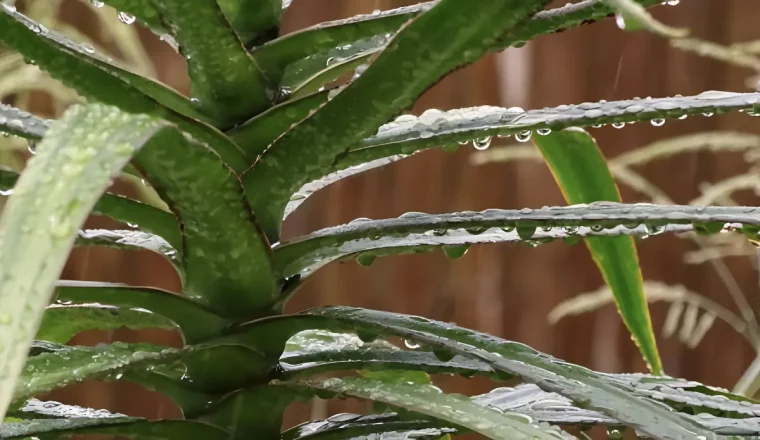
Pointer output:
x,y
256,138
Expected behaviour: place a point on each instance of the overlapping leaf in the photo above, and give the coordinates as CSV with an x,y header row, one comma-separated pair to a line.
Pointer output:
x,y
420,54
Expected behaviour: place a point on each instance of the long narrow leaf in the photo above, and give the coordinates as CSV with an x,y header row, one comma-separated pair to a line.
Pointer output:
x,y
535,226
21,123
140,215
591,389
131,240
61,184
197,323
226,258
583,177
61,322
373,426
430,401
450,35
122,427
224,77
94,78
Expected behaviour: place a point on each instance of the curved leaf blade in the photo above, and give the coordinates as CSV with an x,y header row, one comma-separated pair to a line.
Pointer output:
x,y
425,50
21,123
418,231
94,78
225,79
596,393
581,172
51,201
122,427
254,21
205,194
142,216
358,427
61,322
430,401
196,322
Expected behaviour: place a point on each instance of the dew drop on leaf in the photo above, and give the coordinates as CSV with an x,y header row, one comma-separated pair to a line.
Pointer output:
x,y
658,122
543,131
126,18
411,344
618,125
482,143
523,136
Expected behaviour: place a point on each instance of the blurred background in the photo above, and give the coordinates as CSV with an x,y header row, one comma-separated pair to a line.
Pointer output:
x,y
505,290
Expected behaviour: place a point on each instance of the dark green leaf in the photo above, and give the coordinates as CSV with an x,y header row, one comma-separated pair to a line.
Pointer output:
x,y
62,321
254,21
121,427
581,172
143,10
131,240
591,390
197,323
95,78
21,123
73,166
142,216
331,73
421,232
257,134
224,78
429,400
48,371
227,260
451,34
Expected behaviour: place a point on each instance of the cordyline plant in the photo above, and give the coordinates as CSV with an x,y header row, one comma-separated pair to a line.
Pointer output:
x,y
261,134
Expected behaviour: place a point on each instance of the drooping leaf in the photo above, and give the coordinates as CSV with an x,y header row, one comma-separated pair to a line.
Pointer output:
x,y
582,175
257,134
119,427
97,79
21,123
254,21
592,390
225,79
420,232
197,323
430,401
74,165
140,215
131,240
421,53
48,371
63,321
226,258
373,426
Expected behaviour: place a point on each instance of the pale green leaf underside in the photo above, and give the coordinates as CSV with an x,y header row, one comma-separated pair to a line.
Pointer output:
x,y
21,123
61,322
424,231
428,400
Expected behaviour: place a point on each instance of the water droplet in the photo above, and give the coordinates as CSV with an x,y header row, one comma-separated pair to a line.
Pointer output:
x,y
597,126
658,122
411,344
88,48
526,231
618,125
672,2
365,259
6,192
523,136
97,3
126,18
682,117
614,434
544,131
455,251
597,227
31,146
464,142
707,114
620,21
482,143
443,355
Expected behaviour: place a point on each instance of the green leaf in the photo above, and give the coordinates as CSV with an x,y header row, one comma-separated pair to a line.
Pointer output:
x,y
258,133
140,215
592,390
197,323
121,427
74,165
131,240
373,426
332,73
98,80
227,260
21,123
225,79
581,172
419,232
143,10
421,53
429,400
48,371
39,409
254,21
63,321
